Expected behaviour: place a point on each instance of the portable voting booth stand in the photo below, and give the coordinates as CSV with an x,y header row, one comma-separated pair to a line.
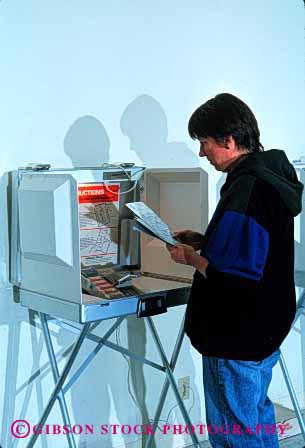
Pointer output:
x,y
65,222
60,207
300,282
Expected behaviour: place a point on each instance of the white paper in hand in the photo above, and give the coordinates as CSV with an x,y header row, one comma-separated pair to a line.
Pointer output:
x,y
148,218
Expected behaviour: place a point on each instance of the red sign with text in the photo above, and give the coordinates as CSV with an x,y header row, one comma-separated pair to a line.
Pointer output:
x,y
98,193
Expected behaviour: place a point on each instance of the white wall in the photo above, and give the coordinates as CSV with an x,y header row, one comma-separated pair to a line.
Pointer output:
x,y
118,81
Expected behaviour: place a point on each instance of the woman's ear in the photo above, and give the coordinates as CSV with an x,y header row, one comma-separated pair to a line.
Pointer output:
x,y
229,142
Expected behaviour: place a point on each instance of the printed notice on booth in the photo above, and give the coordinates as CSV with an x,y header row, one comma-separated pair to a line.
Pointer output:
x,y
99,219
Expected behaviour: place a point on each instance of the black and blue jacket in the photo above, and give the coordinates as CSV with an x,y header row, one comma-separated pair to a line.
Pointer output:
x,y
245,306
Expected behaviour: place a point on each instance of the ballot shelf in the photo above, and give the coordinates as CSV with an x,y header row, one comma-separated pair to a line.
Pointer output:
x,y
92,308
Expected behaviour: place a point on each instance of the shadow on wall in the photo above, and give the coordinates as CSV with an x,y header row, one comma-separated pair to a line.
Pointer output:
x,y
87,143
144,122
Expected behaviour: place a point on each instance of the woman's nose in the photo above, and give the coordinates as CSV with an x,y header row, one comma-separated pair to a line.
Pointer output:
x,y
202,151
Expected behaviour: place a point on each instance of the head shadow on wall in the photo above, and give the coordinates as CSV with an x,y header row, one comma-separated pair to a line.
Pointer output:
x,y
87,143
144,122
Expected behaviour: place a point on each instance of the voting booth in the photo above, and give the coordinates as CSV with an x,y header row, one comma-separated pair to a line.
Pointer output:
x,y
63,224
76,256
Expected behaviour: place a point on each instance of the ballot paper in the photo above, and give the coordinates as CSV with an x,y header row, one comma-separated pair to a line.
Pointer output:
x,y
149,222
99,219
138,227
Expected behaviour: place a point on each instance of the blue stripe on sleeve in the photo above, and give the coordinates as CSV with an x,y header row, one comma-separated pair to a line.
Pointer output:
x,y
239,246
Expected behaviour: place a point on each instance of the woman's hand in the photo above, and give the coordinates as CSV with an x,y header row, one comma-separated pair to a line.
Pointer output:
x,y
193,239
185,254
182,253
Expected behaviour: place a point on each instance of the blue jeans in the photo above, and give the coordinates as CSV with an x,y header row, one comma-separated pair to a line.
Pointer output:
x,y
238,410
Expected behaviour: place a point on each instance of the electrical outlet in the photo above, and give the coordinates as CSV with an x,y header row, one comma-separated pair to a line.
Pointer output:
x,y
184,387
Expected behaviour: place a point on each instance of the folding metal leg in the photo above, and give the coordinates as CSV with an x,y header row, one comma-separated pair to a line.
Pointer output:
x,y
59,391
166,384
291,390
171,380
292,394
60,383
103,342
55,371
10,379
93,354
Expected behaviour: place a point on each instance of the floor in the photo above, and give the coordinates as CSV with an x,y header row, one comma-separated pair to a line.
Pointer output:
x,y
283,414
292,442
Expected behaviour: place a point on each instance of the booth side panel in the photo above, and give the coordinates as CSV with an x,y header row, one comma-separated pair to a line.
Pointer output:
x,y
180,197
49,236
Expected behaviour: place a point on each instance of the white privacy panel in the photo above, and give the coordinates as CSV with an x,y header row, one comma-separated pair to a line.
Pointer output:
x,y
45,233
49,235
180,197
